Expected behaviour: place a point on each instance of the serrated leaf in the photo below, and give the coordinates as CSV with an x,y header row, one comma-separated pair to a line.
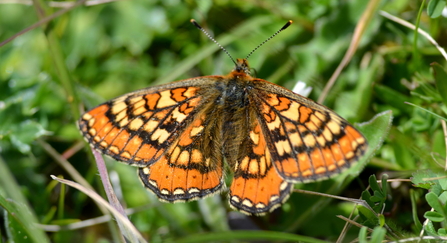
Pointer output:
x,y
435,7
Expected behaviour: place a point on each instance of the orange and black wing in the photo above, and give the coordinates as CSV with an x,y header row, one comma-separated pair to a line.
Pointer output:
x,y
256,188
159,129
307,141
192,168
138,128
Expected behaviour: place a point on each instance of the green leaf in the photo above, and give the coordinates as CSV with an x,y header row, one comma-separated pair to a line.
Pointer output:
x,y
440,76
367,197
369,218
378,235
25,133
430,228
373,183
428,111
18,213
363,235
20,226
382,220
434,216
414,198
419,179
443,198
435,7
433,201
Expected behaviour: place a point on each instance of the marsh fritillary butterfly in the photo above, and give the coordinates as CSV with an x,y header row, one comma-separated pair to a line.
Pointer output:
x,y
180,134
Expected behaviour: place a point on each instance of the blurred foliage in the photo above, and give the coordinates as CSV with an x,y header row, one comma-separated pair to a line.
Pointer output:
x,y
112,48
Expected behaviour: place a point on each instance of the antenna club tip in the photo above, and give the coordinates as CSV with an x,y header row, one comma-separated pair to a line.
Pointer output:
x,y
287,25
194,22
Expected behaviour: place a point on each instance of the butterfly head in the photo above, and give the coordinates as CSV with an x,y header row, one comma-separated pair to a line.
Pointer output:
x,y
242,66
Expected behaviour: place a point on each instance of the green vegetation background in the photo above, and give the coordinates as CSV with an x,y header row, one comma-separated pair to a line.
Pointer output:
x,y
94,53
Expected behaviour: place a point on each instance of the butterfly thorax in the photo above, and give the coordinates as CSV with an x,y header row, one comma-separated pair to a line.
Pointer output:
x,y
238,113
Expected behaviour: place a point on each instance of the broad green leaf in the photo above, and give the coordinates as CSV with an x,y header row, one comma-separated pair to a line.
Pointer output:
x,y
363,235
430,228
378,235
370,219
419,179
435,7
434,216
433,201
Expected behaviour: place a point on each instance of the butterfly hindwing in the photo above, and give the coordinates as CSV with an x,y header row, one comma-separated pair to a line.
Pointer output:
x,y
187,171
256,188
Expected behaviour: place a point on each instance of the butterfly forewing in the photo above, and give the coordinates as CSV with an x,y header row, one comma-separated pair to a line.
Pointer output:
x,y
307,141
137,128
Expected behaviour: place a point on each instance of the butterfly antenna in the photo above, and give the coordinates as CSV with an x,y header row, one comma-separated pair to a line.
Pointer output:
x,y
277,32
193,21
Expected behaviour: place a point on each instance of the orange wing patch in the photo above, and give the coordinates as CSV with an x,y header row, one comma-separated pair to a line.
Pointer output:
x,y
308,143
136,128
257,188
186,172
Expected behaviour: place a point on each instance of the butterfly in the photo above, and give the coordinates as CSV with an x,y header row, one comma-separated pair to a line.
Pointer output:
x,y
183,136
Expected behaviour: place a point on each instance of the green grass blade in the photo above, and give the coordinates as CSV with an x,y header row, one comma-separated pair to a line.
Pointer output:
x,y
20,217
